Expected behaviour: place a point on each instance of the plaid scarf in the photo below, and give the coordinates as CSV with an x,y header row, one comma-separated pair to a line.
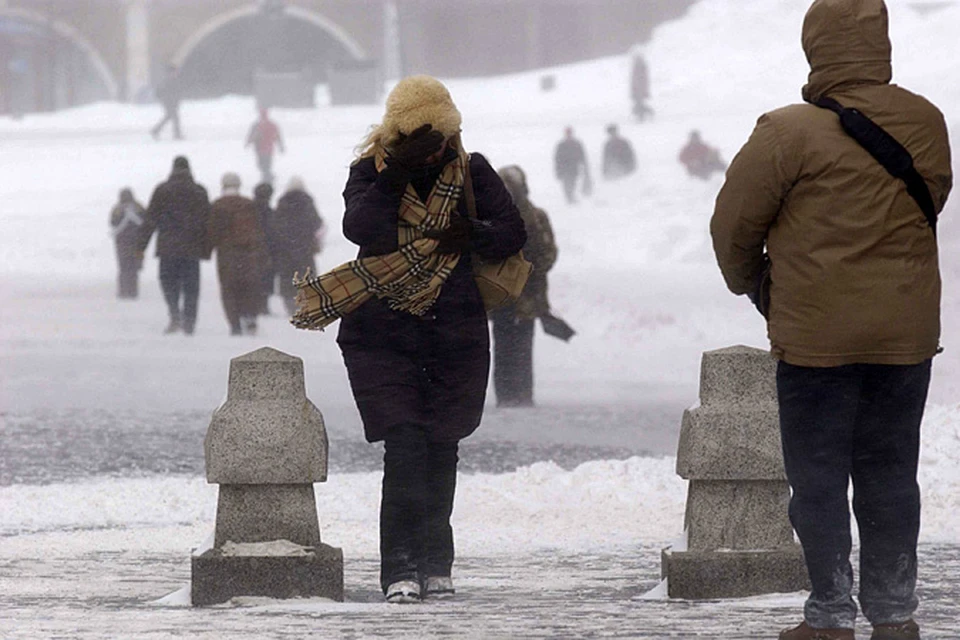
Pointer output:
x,y
408,279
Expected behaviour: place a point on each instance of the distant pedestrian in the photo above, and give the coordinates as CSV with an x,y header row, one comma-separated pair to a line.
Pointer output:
x,y
235,232
640,88
700,159
169,92
262,195
126,222
570,165
513,326
297,229
618,158
265,136
850,286
178,212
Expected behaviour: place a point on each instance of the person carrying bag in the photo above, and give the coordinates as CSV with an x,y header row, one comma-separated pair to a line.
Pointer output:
x,y
413,326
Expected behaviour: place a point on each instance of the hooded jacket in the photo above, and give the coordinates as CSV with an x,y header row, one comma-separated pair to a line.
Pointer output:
x,y
854,266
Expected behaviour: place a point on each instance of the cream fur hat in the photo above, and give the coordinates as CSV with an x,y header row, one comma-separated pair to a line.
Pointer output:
x,y
416,101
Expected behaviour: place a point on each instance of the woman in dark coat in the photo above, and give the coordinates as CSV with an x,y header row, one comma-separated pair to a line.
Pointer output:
x,y
296,224
418,363
126,220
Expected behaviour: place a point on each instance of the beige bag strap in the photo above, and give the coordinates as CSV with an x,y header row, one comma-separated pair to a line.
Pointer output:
x,y
468,191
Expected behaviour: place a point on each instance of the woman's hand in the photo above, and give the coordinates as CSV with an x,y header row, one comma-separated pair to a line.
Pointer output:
x,y
412,151
454,239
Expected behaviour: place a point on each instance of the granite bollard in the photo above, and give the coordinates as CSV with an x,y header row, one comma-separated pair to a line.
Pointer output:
x,y
739,541
265,447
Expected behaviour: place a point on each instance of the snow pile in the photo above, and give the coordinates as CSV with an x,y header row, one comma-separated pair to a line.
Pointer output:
x,y
601,505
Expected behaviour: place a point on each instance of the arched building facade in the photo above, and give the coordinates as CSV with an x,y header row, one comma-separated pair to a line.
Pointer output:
x,y
59,53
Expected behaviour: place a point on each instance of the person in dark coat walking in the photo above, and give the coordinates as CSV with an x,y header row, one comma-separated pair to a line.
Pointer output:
x,y
513,326
640,88
570,163
265,136
850,286
126,221
417,348
297,229
169,93
178,212
235,232
618,157
262,194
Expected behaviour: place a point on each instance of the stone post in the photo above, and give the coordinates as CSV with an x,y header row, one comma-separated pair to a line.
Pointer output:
x,y
265,447
739,541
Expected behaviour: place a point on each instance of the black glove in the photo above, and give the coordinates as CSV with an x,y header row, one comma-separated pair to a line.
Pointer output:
x,y
455,238
760,297
411,152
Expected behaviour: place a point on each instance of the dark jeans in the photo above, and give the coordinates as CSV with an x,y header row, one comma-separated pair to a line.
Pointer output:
x,y
859,422
181,276
569,188
512,360
419,481
265,164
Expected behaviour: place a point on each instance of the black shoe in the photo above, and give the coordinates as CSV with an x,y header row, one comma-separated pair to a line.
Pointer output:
x,y
173,327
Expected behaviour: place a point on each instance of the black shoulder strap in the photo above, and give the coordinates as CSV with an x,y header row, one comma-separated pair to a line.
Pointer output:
x,y
468,191
888,152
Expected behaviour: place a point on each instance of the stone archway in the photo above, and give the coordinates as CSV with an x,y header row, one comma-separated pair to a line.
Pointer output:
x,y
221,55
95,82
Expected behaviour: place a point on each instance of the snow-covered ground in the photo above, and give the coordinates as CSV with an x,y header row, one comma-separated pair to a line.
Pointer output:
x,y
636,277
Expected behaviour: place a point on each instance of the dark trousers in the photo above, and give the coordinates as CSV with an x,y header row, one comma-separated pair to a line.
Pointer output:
x,y
513,360
265,164
419,482
181,276
859,422
170,114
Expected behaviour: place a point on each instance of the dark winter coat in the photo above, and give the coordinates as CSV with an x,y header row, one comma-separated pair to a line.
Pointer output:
x,y
126,221
178,212
170,91
569,158
618,158
432,370
639,80
295,225
541,250
854,273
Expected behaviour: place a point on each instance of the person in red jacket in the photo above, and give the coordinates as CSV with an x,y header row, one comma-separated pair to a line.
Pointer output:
x,y
700,159
265,136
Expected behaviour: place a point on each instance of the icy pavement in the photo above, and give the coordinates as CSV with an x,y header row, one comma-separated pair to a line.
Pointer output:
x,y
109,595
54,446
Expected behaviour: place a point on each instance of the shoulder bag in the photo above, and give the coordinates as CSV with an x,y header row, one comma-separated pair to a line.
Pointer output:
x,y
500,283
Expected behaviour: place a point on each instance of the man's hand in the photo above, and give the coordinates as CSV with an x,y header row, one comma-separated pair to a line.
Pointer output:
x,y
760,296
412,151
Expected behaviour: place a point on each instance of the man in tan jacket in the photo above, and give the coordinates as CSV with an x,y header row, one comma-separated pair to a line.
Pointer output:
x,y
853,312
